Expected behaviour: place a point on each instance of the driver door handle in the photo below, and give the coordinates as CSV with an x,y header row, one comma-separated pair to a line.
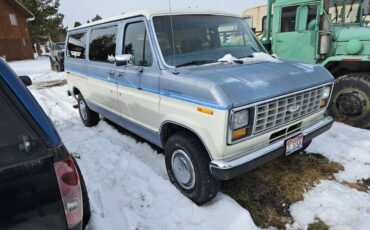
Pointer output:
x,y
110,72
121,74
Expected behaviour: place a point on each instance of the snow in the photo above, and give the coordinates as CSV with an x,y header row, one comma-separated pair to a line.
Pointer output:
x,y
257,57
129,189
38,70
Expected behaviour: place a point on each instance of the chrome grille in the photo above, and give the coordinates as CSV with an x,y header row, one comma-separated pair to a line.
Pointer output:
x,y
276,112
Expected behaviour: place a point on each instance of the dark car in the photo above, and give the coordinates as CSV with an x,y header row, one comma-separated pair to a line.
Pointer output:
x,y
57,56
41,186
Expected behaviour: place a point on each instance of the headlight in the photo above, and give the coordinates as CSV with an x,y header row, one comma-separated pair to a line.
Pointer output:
x,y
325,97
240,119
239,125
326,92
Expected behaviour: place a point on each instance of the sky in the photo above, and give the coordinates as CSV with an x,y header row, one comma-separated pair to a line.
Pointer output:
x,y
83,10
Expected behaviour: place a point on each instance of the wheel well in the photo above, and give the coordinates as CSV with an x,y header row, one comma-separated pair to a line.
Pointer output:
x,y
168,129
76,91
341,68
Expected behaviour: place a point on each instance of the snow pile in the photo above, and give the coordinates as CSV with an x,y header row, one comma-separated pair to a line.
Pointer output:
x,y
257,58
338,206
348,146
38,70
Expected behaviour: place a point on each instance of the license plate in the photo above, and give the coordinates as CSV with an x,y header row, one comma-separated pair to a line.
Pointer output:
x,y
294,144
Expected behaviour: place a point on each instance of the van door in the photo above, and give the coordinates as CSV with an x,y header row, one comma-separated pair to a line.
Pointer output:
x,y
101,67
297,36
138,86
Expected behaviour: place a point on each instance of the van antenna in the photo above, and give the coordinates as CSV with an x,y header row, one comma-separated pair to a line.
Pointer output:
x,y
173,38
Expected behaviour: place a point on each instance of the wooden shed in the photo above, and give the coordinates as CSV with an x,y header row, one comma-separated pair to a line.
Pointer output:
x,y
15,42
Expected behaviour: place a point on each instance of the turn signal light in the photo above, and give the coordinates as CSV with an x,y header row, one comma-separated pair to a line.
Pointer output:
x,y
205,110
240,133
323,103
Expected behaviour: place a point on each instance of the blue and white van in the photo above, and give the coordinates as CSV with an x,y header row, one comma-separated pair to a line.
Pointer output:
x,y
199,85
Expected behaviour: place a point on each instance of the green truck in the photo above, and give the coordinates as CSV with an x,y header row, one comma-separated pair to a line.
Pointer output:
x,y
333,33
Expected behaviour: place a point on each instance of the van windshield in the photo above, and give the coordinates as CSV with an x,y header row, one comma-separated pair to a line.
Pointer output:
x,y
201,39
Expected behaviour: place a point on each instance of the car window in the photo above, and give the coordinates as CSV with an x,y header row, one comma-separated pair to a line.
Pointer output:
x,y
288,18
103,44
14,131
77,46
136,42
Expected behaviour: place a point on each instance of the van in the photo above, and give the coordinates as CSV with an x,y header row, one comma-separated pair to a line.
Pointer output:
x,y
201,86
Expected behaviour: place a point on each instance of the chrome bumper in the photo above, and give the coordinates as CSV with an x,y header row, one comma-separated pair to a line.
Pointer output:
x,y
225,170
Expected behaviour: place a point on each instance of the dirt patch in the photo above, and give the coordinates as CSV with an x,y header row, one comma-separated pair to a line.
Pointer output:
x,y
49,84
362,186
268,191
318,225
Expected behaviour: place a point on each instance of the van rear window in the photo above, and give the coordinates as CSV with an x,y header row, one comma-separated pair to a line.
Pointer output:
x,y
77,46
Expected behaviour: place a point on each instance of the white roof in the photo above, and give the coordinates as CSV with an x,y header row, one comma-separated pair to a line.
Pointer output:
x,y
149,13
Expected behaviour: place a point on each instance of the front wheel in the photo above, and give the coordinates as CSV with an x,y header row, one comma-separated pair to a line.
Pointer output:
x,y
187,164
350,102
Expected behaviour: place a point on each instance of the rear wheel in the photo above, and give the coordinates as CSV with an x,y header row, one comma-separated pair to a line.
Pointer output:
x,y
187,164
351,100
89,118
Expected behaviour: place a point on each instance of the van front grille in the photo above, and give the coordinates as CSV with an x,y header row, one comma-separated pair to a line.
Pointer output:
x,y
278,112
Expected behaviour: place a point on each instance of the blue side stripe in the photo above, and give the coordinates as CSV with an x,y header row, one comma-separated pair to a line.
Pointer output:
x,y
164,93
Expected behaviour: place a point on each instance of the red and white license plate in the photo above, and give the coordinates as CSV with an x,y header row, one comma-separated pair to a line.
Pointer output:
x,y
294,144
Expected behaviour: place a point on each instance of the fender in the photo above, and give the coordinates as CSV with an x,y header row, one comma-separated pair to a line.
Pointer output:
x,y
345,58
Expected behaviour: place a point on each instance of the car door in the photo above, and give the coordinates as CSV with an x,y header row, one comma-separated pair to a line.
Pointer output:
x,y
101,68
138,82
297,36
29,193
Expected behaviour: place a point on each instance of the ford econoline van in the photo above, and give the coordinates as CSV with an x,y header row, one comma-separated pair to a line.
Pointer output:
x,y
199,85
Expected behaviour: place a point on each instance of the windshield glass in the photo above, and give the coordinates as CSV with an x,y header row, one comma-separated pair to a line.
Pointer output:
x,y
349,14
203,38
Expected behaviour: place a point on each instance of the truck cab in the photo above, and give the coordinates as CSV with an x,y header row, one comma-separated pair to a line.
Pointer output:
x,y
334,34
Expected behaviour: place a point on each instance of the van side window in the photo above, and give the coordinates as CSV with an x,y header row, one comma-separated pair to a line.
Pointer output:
x,y
312,15
77,46
137,43
103,44
288,17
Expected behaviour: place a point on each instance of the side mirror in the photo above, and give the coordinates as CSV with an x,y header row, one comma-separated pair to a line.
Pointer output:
x,y
26,80
124,59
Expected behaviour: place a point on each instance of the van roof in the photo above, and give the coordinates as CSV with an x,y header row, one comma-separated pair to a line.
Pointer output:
x,y
149,13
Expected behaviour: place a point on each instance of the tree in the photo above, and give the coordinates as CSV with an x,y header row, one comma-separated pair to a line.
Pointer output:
x,y
96,18
48,23
77,24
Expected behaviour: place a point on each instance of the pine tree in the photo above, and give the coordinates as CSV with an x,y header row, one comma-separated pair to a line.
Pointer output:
x,y
96,18
77,24
48,23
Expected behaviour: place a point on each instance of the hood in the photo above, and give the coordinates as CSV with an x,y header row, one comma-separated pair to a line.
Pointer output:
x,y
343,34
249,83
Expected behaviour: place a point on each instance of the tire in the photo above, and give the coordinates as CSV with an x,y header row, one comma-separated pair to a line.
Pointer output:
x,y
186,147
350,101
89,118
85,198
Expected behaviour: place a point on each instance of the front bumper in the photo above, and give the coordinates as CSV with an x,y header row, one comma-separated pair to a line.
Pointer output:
x,y
225,170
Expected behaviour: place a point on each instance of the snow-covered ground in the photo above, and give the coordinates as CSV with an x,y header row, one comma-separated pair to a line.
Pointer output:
x,y
129,188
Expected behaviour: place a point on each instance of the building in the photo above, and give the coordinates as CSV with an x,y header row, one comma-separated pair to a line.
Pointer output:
x,y
256,18
15,42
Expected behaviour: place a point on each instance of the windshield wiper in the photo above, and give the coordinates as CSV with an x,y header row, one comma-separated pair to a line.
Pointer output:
x,y
197,62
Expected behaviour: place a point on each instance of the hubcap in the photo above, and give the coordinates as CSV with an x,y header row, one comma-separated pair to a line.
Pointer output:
x,y
183,169
83,110
351,103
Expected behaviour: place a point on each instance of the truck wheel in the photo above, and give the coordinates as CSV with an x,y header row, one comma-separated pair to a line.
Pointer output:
x,y
89,118
187,164
350,102
85,197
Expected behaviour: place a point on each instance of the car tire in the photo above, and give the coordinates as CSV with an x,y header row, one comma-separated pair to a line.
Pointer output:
x,y
85,198
89,118
187,164
350,101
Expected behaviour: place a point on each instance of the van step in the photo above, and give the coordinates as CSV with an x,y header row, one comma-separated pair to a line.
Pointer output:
x,y
75,106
